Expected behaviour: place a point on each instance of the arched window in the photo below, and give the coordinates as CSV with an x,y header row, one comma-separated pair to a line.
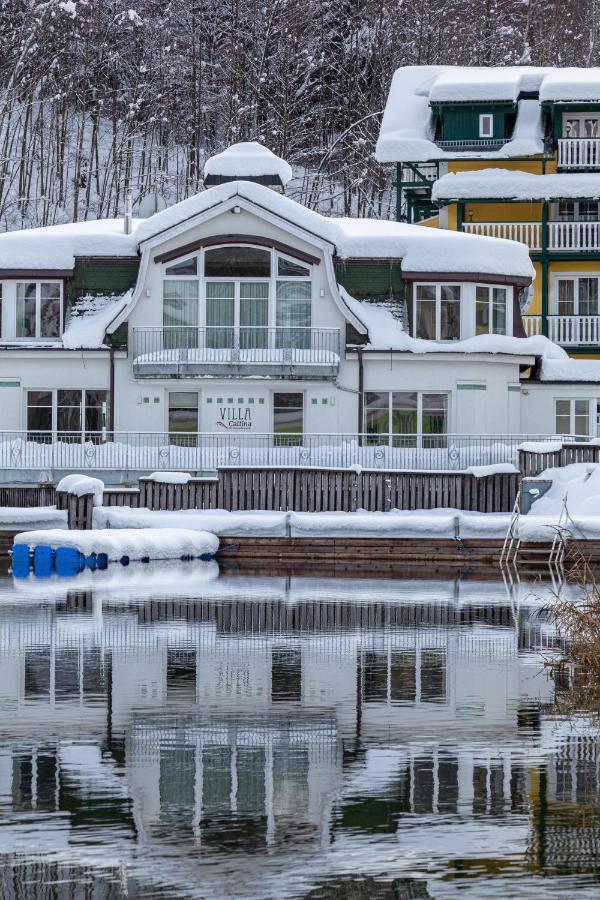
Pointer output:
x,y
237,262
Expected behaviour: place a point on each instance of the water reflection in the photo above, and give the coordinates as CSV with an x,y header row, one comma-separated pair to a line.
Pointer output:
x,y
177,733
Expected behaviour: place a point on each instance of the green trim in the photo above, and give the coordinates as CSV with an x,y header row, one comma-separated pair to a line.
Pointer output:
x,y
10,384
515,387
471,387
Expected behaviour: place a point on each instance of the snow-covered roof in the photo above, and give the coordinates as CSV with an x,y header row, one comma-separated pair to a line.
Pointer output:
x,y
248,159
571,85
56,246
570,370
387,333
420,249
90,318
503,184
407,128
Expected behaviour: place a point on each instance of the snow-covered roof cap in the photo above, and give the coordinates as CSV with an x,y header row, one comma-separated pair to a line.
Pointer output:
x,y
570,370
420,249
55,247
406,133
571,85
248,159
504,184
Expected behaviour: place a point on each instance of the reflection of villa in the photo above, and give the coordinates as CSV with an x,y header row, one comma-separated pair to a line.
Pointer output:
x,y
297,720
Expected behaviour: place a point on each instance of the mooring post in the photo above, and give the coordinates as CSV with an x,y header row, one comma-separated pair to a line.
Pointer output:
x,y
80,510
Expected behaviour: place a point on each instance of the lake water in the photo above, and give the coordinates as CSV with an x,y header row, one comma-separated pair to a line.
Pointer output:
x,y
173,732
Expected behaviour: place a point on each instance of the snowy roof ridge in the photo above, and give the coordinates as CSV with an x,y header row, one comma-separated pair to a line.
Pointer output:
x,y
55,247
248,159
406,133
505,184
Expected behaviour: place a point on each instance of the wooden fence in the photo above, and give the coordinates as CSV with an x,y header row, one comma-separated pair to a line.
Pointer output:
x,y
532,463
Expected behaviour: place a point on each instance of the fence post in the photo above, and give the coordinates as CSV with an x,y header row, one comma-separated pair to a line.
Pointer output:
x,y
80,510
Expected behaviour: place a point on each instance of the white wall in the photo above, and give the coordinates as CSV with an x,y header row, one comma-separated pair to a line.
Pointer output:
x,y
538,405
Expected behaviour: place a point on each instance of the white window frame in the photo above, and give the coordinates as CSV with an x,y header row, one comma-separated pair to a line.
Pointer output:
x,y
592,407
287,390
272,281
54,393
419,435
581,117
574,277
38,307
438,285
486,118
490,288
577,215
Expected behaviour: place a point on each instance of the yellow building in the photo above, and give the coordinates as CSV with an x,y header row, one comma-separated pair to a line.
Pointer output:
x,y
512,153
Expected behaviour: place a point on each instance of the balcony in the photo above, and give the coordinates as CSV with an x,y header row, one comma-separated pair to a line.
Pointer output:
x,y
563,237
579,153
481,145
568,331
226,352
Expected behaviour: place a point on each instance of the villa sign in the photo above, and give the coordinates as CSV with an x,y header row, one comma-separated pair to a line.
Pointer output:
x,y
235,417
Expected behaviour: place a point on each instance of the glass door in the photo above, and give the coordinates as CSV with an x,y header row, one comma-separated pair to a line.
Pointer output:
x,y
180,314
254,315
220,314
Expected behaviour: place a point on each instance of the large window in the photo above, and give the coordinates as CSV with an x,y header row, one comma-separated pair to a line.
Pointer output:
x,y
38,309
437,312
73,414
583,125
575,296
406,418
288,417
244,298
490,310
577,211
183,417
572,417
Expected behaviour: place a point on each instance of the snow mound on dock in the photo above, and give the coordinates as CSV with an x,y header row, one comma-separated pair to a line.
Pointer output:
x,y
80,485
136,544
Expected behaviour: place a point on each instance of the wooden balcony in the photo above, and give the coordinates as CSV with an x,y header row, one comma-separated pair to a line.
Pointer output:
x,y
579,153
567,331
563,237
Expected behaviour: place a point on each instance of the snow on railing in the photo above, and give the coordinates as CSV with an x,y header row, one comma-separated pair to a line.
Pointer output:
x,y
579,153
141,452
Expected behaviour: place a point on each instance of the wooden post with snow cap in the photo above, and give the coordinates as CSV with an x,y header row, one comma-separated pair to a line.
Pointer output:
x,y
77,494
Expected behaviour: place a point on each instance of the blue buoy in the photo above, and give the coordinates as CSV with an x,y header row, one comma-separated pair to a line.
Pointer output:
x,y
42,555
21,554
90,561
69,561
145,559
102,561
124,560
206,556
20,568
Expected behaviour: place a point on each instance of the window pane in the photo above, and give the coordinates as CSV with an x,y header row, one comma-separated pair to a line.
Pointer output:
x,y
180,313
96,412
582,418
237,262
566,210
26,294
377,413
404,412
566,297
288,414
425,326
482,310
499,310
39,410
571,128
588,210
485,126
435,414
563,416
288,268
183,416
449,320
588,296
68,411
185,267
50,310
220,313
590,127
254,314
293,314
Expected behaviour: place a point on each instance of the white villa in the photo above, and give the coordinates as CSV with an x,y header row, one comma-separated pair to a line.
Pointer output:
x,y
240,312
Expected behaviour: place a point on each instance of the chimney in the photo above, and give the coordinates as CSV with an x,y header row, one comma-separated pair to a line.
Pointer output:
x,y
128,212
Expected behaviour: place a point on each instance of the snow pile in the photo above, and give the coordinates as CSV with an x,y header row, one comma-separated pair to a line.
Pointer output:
x,y
217,521
579,483
169,477
90,317
136,544
386,333
541,446
503,184
248,159
80,485
570,370
571,84
420,249
407,133
494,469
12,517
56,246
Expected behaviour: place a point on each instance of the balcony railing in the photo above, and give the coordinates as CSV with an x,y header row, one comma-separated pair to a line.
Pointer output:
x,y
579,153
135,453
562,236
186,351
482,144
529,233
568,331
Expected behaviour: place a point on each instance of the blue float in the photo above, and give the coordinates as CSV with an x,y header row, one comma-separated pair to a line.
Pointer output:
x,y
102,561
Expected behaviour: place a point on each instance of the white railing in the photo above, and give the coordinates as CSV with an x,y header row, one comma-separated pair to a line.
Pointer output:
x,y
529,233
574,236
568,331
532,325
134,453
579,153
573,331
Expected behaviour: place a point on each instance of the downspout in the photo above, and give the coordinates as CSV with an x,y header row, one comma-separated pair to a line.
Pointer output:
x,y
544,267
398,192
460,216
361,407
111,394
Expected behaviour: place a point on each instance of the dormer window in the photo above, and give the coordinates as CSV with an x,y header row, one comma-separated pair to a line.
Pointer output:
x,y
38,309
486,125
490,310
437,312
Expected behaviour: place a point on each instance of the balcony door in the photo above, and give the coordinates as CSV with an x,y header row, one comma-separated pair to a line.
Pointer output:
x,y
237,281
